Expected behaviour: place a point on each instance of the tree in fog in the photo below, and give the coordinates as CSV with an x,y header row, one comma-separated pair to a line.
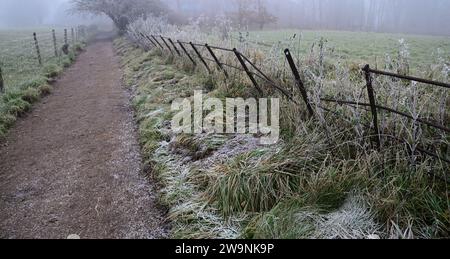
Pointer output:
x,y
263,16
243,12
251,12
121,12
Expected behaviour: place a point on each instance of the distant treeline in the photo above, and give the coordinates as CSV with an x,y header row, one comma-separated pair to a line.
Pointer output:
x,y
407,16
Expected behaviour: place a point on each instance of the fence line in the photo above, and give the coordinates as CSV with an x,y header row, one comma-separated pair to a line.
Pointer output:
x,y
410,78
40,48
55,45
373,107
1,82
38,51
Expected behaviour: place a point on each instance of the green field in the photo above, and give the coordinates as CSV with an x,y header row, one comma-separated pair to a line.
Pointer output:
x,y
360,47
25,80
18,57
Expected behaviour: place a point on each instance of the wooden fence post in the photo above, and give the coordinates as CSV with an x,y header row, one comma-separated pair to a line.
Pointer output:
x,y
299,81
167,45
38,51
151,41
249,74
217,60
144,44
55,45
175,47
161,46
187,53
373,105
2,87
200,57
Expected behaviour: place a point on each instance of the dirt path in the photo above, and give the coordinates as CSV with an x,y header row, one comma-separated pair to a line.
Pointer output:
x,y
72,166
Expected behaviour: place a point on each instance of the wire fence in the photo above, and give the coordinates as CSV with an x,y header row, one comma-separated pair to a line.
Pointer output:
x,y
206,56
24,54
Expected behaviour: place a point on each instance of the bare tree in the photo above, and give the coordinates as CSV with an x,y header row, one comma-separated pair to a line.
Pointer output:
x,y
263,17
243,12
121,12
251,12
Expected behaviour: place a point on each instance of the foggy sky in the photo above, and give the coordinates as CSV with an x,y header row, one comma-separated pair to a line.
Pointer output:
x,y
408,16
36,13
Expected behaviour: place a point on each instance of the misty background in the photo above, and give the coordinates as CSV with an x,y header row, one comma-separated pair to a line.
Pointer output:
x,y
39,13
392,16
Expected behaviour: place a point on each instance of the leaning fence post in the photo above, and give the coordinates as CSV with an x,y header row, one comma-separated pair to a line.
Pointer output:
x,y
373,104
38,51
144,45
151,41
187,53
2,87
55,46
175,47
249,74
299,81
157,42
200,57
216,59
167,45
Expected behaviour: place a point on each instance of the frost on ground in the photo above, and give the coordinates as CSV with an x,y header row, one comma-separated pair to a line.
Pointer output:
x,y
175,160
193,216
353,220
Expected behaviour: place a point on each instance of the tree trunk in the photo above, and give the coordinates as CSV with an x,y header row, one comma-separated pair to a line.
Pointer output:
x,y
121,23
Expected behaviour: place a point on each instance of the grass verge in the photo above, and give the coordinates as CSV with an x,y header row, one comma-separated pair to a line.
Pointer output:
x,y
318,182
